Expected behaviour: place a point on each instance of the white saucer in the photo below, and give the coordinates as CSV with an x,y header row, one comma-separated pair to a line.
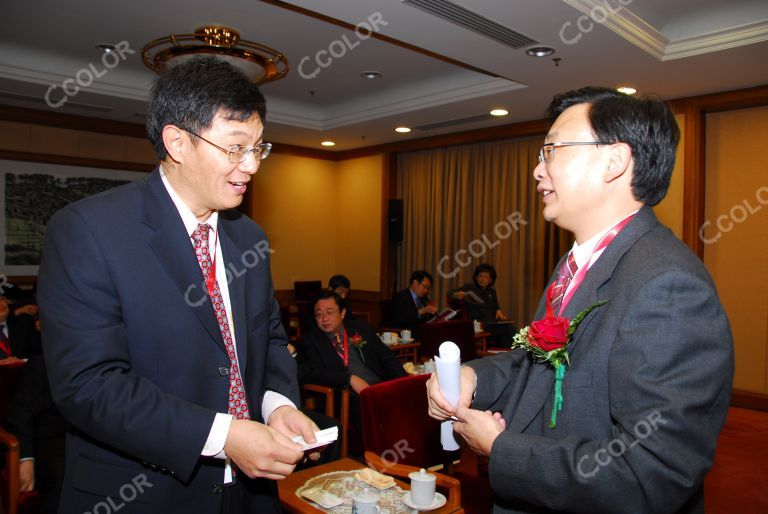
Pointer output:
x,y
401,340
436,504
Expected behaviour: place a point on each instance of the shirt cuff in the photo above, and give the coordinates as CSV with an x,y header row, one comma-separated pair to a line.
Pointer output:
x,y
272,400
214,445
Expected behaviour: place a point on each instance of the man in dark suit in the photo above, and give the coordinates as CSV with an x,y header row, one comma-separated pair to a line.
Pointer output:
x,y
339,353
18,337
649,381
41,431
161,333
411,306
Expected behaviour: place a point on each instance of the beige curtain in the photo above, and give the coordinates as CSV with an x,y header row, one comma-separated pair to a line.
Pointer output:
x,y
465,205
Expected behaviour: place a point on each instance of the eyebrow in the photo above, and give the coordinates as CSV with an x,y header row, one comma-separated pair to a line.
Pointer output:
x,y
237,132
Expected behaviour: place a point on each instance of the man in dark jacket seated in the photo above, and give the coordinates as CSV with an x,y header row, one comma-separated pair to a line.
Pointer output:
x,y
339,353
411,306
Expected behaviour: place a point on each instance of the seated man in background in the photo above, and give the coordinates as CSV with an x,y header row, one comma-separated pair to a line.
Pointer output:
x,y
18,337
340,285
339,353
41,432
411,306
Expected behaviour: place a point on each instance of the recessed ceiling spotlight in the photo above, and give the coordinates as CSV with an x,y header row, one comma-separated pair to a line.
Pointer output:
x,y
499,112
540,51
627,90
328,143
403,130
106,48
371,74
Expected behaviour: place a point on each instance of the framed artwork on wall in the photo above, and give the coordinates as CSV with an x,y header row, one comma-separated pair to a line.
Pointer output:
x,y
31,193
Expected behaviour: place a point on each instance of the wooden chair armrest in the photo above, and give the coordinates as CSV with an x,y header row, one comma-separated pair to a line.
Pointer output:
x,y
330,409
12,462
445,482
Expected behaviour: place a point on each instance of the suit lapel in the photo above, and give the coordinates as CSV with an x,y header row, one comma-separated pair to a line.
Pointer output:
x,y
541,377
230,251
174,250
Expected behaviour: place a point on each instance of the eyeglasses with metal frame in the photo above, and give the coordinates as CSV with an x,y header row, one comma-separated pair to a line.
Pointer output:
x,y
239,153
547,151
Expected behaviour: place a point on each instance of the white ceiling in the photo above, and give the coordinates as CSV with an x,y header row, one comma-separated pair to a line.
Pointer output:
x,y
669,48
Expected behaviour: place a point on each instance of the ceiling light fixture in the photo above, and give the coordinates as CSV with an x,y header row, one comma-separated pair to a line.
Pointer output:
x,y
371,74
627,90
328,143
540,51
499,112
403,130
259,62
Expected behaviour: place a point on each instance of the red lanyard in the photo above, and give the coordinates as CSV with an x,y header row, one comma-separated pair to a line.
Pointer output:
x,y
345,355
211,280
582,271
3,346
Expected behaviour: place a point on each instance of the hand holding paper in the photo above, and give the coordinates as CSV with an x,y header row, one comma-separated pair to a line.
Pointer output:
x,y
323,437
448,365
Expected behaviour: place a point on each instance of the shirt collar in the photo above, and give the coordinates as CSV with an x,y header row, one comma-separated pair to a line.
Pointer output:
x,y
189,219
582,252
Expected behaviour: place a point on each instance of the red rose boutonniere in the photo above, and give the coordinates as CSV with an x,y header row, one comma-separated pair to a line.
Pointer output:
x,y
547,341
358,342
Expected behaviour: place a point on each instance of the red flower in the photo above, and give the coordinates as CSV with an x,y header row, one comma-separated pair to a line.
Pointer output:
x,y
357,340
549,333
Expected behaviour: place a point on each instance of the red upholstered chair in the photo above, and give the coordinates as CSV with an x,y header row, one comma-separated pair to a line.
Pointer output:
x,y
461,332
397,429
11,502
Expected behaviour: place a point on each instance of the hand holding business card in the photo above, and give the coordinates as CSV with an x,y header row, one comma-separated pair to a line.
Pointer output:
x,y
323,437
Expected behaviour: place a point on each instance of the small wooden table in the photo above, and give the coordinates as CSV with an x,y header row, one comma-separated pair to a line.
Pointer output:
x,y
293,504
481,341
406,351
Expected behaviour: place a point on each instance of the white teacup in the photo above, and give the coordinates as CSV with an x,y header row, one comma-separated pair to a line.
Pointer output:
x,y
405,334
365,502
422,488
386,337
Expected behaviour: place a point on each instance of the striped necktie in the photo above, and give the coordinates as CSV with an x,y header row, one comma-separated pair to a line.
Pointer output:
x,y
560,286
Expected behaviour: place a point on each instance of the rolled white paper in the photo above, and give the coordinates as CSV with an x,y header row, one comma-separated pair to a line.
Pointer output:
x,y
448,365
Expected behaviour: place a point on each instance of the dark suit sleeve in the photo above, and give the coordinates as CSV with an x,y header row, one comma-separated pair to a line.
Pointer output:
x,y
402,310
88,356
389,367
669,374
281,366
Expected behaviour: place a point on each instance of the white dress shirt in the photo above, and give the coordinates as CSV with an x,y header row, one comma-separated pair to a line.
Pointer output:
x,y
214,445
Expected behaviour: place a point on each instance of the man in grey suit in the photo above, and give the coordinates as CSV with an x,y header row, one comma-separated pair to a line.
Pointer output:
x,y
649,381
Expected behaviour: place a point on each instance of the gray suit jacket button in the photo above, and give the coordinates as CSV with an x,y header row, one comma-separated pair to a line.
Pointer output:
x,y
216,489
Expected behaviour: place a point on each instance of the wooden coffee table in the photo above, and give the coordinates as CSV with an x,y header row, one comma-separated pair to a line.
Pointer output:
x,y
406,351
292,503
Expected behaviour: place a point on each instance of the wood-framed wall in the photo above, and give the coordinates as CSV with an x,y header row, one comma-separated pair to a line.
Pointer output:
x,y
695,110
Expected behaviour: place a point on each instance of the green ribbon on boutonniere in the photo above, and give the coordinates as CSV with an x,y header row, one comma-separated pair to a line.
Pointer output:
x,y
358,342
547,341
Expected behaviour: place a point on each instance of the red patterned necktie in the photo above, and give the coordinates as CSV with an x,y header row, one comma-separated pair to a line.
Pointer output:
x,y
560,286
238,406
